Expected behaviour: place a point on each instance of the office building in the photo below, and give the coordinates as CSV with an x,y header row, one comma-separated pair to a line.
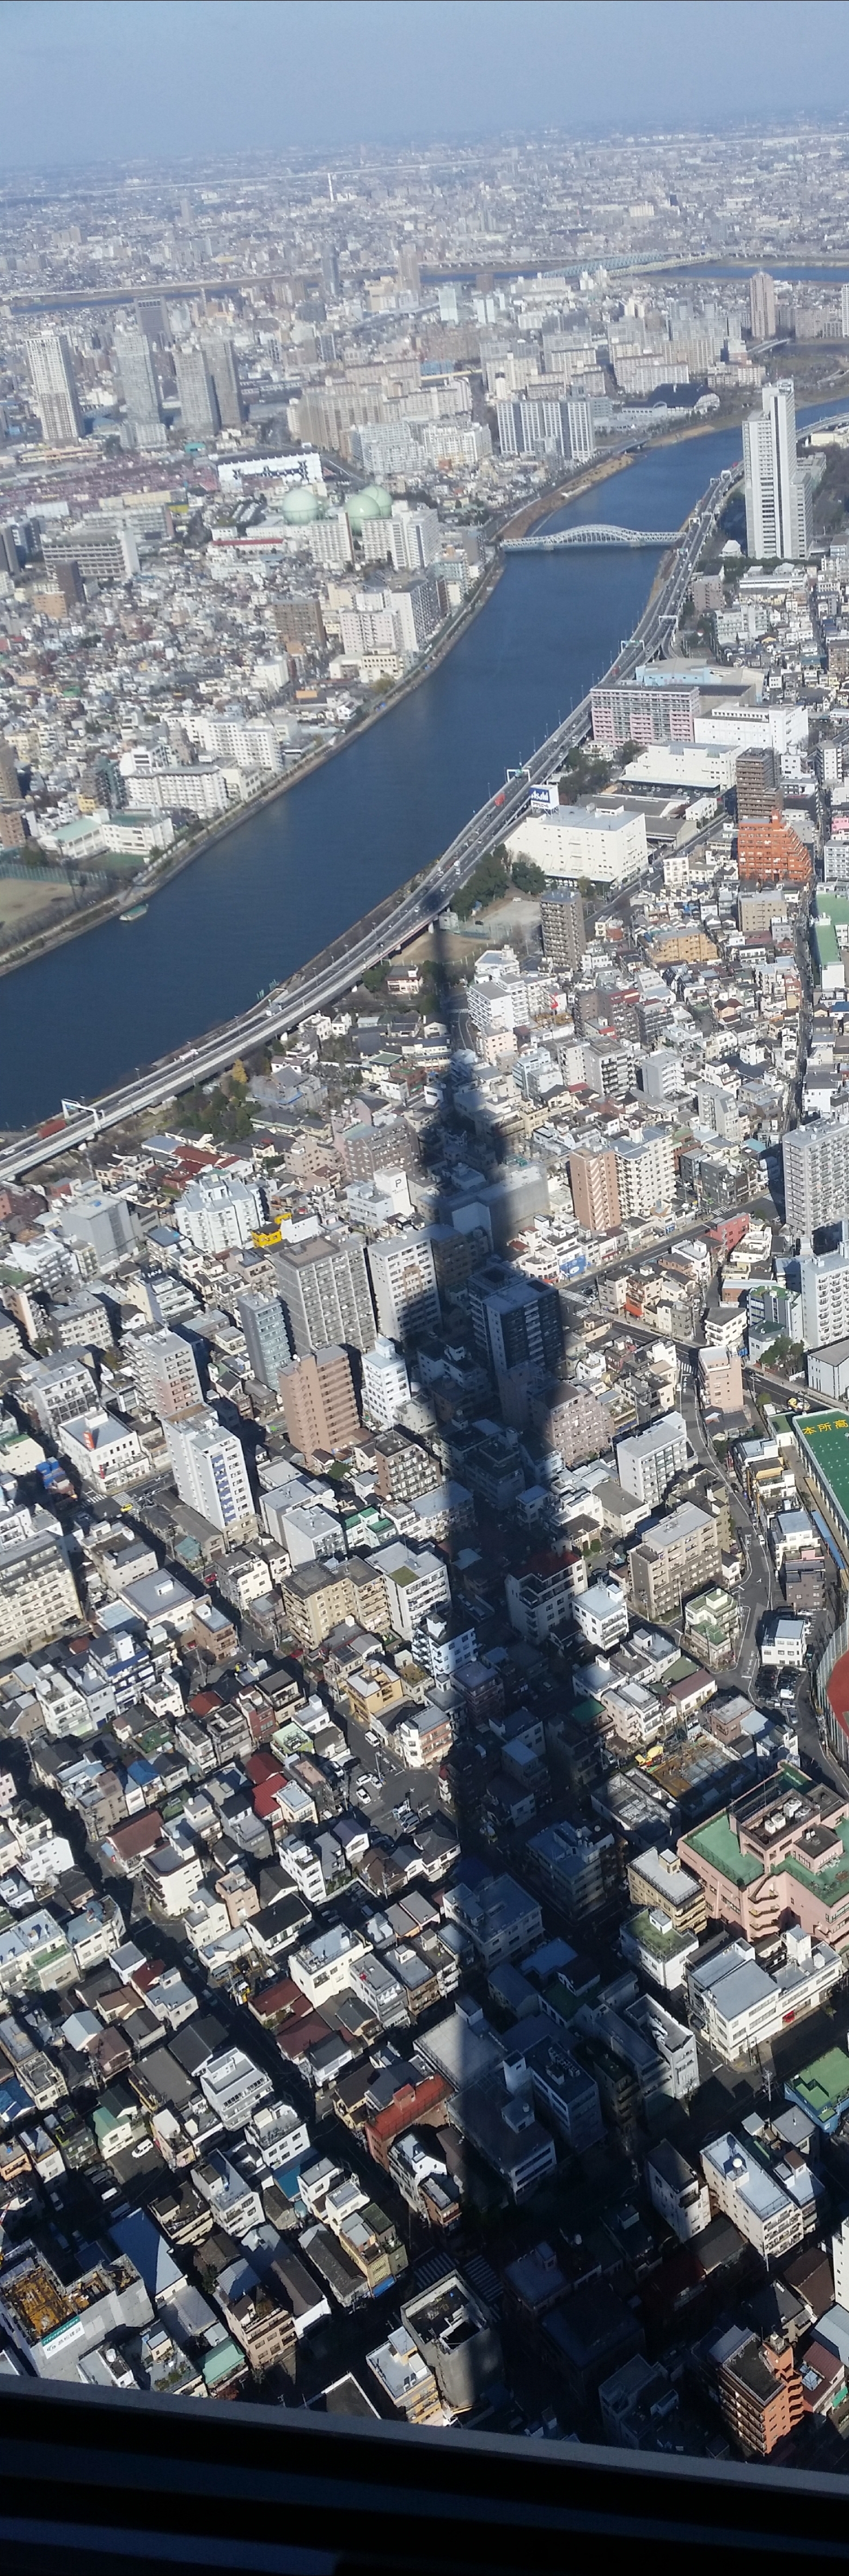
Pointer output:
x,y
325,1292
604,843
101,548
264,1326
167,1375
825,1297
216,1214
564,936
676,1558
208,1465
762,307
403,1279
38,1595
778,491
757,777
643,713
385,1386
515,1321
647,1464
594,1183
319,1404
223,373
198,407
131,351
769,852
816,1176
55,388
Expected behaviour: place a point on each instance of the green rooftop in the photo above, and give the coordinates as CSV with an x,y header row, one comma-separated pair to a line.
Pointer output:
x,y
716,1842
642,1927
822,2089
824,1442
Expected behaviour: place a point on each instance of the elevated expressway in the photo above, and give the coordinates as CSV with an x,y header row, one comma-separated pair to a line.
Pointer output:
x,y
318,985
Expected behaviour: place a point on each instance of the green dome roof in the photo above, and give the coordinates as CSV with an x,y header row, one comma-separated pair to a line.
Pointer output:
x,y
372,503
300,504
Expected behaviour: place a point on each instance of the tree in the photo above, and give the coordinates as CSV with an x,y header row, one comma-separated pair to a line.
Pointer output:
x,y
527,876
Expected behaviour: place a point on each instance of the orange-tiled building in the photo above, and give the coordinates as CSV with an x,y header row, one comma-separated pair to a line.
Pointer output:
x,y
769,852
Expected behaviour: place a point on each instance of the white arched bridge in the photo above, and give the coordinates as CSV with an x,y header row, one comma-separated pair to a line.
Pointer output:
x,y
594,532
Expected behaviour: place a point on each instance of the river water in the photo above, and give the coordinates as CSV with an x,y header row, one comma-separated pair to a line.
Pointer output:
x,y
288,880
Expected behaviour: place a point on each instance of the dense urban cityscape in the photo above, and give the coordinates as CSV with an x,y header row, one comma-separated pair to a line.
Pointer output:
x,y
424,1444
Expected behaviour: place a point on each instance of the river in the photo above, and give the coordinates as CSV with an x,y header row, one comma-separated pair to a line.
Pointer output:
x,y
289,879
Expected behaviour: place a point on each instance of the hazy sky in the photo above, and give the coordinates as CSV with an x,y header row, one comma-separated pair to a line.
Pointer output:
x,y
123,79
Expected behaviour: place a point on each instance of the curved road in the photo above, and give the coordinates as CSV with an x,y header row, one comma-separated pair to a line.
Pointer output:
x,y
369,942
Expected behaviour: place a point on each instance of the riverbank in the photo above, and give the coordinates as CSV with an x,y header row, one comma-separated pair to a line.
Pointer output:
x,y
26,951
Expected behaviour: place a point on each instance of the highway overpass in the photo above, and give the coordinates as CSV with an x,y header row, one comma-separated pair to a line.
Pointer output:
x,y
320,984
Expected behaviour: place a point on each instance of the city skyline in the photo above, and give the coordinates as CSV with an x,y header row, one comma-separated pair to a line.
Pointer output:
x,y
190,77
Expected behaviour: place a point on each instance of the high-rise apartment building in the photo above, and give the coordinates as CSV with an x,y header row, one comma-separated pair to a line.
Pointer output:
x,y
220,358
198,406
778,491
166,1369
38,1595
386,1385
844,312
564,935
825,1298
209,1471
55,387
757,777
403,1279
816,1176
594,1183
647,1463
139,388
553,427
762,307
515,1321
9,781
326,1296
645,1170
319,1404
264,1326
676,1558
413,537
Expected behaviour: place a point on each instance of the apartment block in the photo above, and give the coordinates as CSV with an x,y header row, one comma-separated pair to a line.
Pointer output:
x,y
326,1296
769,852
166,1370
648,1463
679,2194
564,936
750,2196
403,1280
679,1556
594,1182
319,1404
816,1175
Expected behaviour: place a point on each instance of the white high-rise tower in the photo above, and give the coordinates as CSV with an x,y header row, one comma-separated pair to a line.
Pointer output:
x,y
778,492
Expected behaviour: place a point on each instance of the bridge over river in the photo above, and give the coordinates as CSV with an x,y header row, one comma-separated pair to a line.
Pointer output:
x,y
595,532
